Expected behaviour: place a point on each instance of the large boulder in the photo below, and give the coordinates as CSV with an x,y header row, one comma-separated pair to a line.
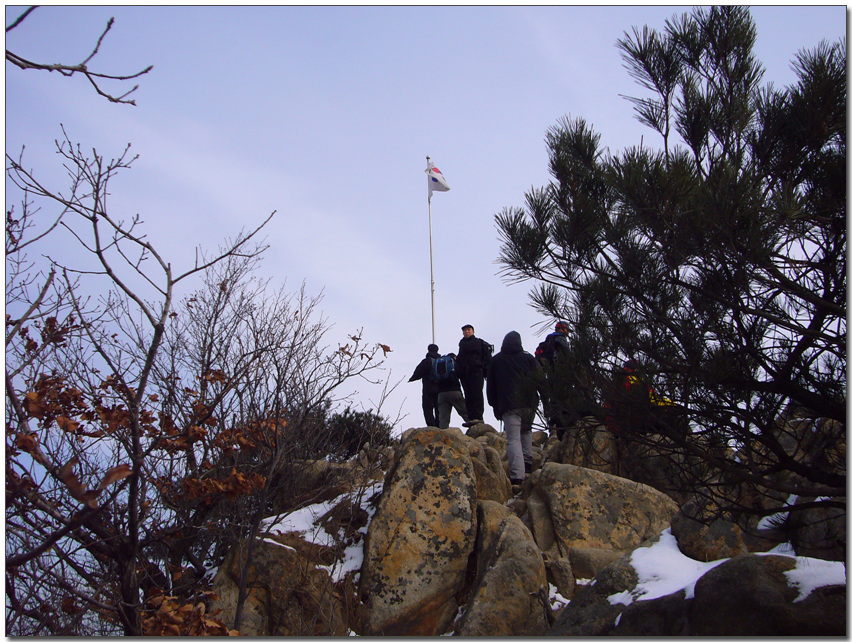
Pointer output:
x,y
575,507
286,594
510,592
755,595
705,536
818,531
417,547
749,595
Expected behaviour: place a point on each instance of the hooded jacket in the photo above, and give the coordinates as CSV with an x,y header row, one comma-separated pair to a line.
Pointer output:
x,y
512,377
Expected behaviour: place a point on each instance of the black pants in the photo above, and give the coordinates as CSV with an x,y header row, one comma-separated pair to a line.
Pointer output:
x,y
430,409
474,402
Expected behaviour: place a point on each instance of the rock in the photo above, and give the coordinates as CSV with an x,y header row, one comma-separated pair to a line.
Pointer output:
x,y
751,595
491,480
477,430
587,444
511,580
537,517
495,440
419,540
540,438
560,573
819,531
658,462
590,613
663,616
588,562
287,594
704,537
591,509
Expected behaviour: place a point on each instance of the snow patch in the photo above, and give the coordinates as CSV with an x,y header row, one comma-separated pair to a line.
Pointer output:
x,y
662,570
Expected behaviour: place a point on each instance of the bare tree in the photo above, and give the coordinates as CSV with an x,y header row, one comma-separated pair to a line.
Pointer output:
x,y
146,436
82,68
79,396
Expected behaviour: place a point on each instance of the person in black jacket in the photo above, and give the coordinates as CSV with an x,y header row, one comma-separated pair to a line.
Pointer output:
x,y
512,391
472,365
430,386
566,397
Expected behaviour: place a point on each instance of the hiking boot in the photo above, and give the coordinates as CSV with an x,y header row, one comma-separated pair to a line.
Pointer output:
x,y
472,422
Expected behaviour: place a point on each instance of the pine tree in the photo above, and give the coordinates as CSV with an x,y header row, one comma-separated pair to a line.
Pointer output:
x,y
718,260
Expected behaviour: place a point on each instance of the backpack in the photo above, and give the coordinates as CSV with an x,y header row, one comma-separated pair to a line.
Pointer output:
x,y
487,353
546,351
443,368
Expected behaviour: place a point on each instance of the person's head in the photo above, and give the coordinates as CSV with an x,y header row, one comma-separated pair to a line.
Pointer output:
x,y
467,330
562,327
512,342
432,349
630,364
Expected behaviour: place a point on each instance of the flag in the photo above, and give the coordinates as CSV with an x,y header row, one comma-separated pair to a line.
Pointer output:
x,y
437,182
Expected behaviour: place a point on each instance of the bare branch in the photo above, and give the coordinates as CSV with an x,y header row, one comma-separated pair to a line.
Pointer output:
x,y
81,68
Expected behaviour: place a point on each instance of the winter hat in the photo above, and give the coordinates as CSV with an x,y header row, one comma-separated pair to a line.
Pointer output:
x,y
562,325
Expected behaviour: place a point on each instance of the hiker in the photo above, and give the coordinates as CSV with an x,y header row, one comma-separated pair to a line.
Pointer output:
x,y
472,364
565,399
423,371
512,392
449,396
634,407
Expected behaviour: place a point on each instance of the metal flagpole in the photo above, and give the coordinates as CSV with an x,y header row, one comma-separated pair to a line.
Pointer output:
x,y
431,265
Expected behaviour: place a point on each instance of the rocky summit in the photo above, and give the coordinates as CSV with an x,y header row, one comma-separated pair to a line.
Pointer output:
x,y
429,538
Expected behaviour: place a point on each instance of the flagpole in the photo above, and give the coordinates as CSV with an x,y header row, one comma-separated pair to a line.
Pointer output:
x,y
431,265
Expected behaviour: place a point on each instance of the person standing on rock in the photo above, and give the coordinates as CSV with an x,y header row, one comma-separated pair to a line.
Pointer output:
x,y
566,398
472,363
450,396
513,394
423,371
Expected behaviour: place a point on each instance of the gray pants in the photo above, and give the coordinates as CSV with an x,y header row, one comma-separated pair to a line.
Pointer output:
x,y
446,402
518,442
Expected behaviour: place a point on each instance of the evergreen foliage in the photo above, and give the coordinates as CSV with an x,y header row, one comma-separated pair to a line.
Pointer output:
x,y
717,260
351,429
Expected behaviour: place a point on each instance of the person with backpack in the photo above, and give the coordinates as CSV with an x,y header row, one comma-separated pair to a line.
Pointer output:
x,y
565,399
633,407
449,391
423,372
472,362
512,392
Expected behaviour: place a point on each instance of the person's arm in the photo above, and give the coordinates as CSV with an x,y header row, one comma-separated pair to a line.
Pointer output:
x,y
421,370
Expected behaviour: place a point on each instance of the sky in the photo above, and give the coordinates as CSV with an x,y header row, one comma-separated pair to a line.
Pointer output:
x,y
325,115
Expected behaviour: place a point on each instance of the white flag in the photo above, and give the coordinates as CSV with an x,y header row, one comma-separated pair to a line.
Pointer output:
x,y
437,182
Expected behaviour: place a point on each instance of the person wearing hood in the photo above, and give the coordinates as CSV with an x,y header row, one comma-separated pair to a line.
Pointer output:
x,y
423,371
512,391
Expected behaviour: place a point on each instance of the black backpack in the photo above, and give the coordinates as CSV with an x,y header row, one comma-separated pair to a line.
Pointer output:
x,y
443,368
487,349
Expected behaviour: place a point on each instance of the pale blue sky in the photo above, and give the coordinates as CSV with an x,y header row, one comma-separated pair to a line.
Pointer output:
x,y
326,114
